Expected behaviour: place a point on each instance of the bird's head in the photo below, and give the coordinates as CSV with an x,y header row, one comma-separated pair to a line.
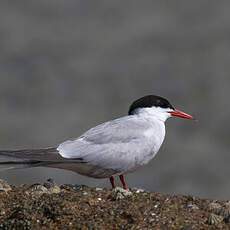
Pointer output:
x,y
158,107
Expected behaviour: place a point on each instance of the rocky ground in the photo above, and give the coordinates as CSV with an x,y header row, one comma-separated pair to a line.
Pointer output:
x,y
49,206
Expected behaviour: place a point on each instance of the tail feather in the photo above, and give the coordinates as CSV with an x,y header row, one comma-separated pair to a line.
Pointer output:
x,y
14,159
32,154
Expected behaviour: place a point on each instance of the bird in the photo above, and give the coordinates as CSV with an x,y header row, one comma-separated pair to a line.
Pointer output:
x,y
113,148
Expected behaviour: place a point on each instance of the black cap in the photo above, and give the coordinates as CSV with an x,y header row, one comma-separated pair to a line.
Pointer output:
x,y
148,102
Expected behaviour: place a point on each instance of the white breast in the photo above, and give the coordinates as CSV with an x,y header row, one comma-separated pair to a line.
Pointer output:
x,y
154,137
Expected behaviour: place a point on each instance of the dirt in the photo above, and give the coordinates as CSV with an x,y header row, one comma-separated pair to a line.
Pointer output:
x,y
49,206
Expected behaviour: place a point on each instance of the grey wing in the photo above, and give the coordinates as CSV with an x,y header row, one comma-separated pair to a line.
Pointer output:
x,y
112,145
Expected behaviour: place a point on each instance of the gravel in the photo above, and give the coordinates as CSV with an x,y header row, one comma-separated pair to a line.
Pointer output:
x,y
50,206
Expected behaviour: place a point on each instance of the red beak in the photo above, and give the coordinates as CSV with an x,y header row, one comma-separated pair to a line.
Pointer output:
x,y
178,113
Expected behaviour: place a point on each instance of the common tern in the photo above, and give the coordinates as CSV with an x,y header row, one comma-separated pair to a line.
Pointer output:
x,y
113,148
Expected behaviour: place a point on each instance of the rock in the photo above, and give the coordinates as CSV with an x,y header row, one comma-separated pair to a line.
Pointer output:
x,y
214,207
139,190
188,227
192,206
4,186
227,220
37,189
47,188
75,187
227,204
52,186
120,193
225,212
49,183
55,189
214,219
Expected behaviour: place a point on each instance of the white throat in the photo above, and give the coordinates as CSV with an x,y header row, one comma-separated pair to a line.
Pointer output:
x,y
161,114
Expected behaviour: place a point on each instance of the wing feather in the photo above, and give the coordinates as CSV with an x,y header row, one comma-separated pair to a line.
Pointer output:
x,y
113,145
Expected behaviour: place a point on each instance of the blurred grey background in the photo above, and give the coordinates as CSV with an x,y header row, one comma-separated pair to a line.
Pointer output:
x,y
68,65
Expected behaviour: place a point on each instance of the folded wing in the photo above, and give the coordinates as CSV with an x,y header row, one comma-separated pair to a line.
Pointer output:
x,y
112,145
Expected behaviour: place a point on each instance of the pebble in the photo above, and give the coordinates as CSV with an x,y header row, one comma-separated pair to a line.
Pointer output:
x,y
75,187
52,186
37,189
214,207
4,186
227,204
49,187
2,213
214,219
192,206
55,189
223,211
140,190
227,220
49,183
120,193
